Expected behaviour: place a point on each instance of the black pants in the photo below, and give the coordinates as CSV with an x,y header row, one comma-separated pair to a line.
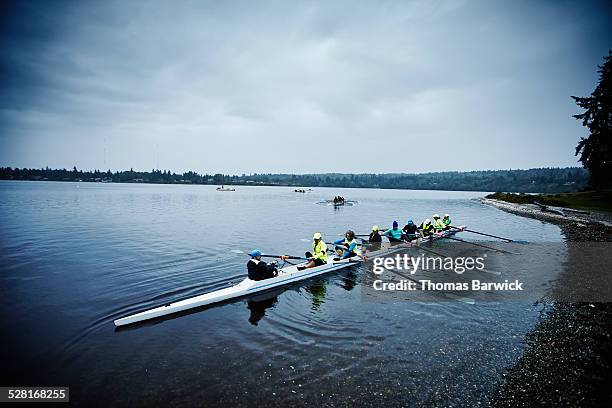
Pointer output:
x,y
317,261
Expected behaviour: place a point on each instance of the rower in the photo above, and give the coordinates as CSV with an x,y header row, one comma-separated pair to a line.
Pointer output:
x,y
374,240
447,222
410,231
258,269
438,225
394,234
349,246
319,253
426,228
375,235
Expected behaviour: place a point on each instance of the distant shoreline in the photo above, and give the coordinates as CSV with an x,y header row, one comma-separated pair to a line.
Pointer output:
x,y
243,185
542,180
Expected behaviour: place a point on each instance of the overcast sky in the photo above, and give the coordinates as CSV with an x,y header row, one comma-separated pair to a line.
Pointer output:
x,y
241,87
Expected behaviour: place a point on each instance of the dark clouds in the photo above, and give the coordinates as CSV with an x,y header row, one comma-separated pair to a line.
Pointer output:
x,y
304,87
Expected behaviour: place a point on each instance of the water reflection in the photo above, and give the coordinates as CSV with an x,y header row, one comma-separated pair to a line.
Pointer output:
x,y
318,291
259,304
349,281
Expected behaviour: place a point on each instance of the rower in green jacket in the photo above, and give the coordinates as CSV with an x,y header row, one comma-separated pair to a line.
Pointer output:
x,y
426,228
348,246
447,222
394,234
438,225
319,253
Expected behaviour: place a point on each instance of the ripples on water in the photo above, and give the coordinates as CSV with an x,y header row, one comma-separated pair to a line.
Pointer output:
x,y
74,257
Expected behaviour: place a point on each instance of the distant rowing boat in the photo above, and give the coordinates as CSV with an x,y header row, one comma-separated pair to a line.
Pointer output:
x,y
286,275
222,188
338,203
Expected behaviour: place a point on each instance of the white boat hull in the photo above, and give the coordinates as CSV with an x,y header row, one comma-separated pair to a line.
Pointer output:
x,y
286,275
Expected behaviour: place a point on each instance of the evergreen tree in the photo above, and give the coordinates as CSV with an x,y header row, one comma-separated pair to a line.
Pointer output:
x,y
596,149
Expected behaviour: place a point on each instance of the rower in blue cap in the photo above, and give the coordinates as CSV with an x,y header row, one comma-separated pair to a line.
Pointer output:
x,y
394,234
258,269
410,231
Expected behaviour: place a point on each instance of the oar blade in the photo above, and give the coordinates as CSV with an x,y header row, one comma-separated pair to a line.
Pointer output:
x,y
493,236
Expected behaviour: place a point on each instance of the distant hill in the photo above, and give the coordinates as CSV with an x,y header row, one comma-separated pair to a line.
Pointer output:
x,y
542,180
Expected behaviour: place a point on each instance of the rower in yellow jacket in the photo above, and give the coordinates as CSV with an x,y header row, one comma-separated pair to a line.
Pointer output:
x,y
426,228
438,225
318,256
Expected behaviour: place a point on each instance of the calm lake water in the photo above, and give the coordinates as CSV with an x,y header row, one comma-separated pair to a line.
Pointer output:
x,y
76,256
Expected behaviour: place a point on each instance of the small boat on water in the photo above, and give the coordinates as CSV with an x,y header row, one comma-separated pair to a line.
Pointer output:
x,y
338,203
223,188
286,275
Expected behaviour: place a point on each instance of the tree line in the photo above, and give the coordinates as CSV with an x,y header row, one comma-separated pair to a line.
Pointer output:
x,y
540,180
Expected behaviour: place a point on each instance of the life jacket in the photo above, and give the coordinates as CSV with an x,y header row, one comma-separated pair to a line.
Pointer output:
x,y
438,225
348,243
427,228
447,221
319,251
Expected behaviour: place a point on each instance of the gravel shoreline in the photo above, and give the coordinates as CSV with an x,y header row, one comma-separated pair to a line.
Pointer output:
x,y
567,359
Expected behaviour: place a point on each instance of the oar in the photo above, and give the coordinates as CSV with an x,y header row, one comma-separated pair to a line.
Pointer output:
x,y
417,246
238,251
473,243
356,235
363,235
310,240
492,236
328,243
409,244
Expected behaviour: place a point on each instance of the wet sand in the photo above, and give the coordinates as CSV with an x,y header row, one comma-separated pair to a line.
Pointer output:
x,y
567,359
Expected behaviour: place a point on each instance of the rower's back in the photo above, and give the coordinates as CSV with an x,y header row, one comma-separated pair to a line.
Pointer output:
x,y
259,270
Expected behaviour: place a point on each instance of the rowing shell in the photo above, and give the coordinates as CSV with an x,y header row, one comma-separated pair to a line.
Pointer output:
x,y
287,275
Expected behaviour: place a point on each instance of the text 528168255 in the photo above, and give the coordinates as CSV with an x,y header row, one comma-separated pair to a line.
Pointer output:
x,y
34,394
